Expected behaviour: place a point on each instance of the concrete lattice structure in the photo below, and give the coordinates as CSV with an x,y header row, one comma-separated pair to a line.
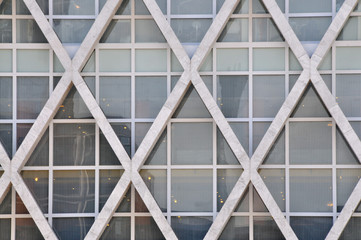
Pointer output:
x,y
190,76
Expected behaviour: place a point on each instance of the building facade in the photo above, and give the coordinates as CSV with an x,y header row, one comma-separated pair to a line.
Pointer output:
x,y
179,119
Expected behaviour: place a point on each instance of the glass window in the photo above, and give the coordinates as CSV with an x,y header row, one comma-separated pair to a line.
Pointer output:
x,y
146,228
276,184
310,142
269,59
351,29
294,64
118,31
22,9
26,227
266,228
348,94
276,154
311,227
57,66
326,63
226,179
232,59
5,227
207,64
311,191
6,97
310,6
236,30
38,182
156,181
141,9
259,130
347,58
225,154
184,227
188,7
5,7
265,30
5,30
74,144
40,155
191,191
310,28
232,96
150,95
344,153
118,228
268,95
149,60
77,186
237,228
6,60
32,94
70,7
28,31
346,182
175,64
192,143
352,229
158,156
114,60
108,179
72,31
190,30
148,31
6,138
26,63
114,94
72,228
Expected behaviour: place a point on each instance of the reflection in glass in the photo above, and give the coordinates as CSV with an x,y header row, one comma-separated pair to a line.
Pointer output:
x,y
344,153
107,181
156,181
72,31
73,191
268,95
117,229
225,154
74,144
226,179
5,30
265,30
265,228
276,184
6,97
147,229
190,30
22,9
72,228
348,94
150,95
310,190
232,59
191,106
237,228
158,156
5,7
346,182
236,30
25,60
191,190
26,229
310,28
191,228
352,229
5,228
37,182
259,130
74,105
232,96
5,205
310,105
276,154
28,31
242,133
70,7
311,227
191,143
6,138
310,142
114,94
148,31
118,31
32,94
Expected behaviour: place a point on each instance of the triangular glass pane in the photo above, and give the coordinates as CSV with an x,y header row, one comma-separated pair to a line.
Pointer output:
x,y
74,106
158,156
40,155
5,205
236,228
6,138
259,7
276,184
310,105
72,228
266,228
124,8
191,106
344,153
277,153
224,152
147,228
311,227
183,227
21,8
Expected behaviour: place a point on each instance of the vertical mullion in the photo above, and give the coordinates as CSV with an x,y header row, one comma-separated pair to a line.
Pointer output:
x,y
97,174
287,171
169,172
214,195
334,172
51,173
